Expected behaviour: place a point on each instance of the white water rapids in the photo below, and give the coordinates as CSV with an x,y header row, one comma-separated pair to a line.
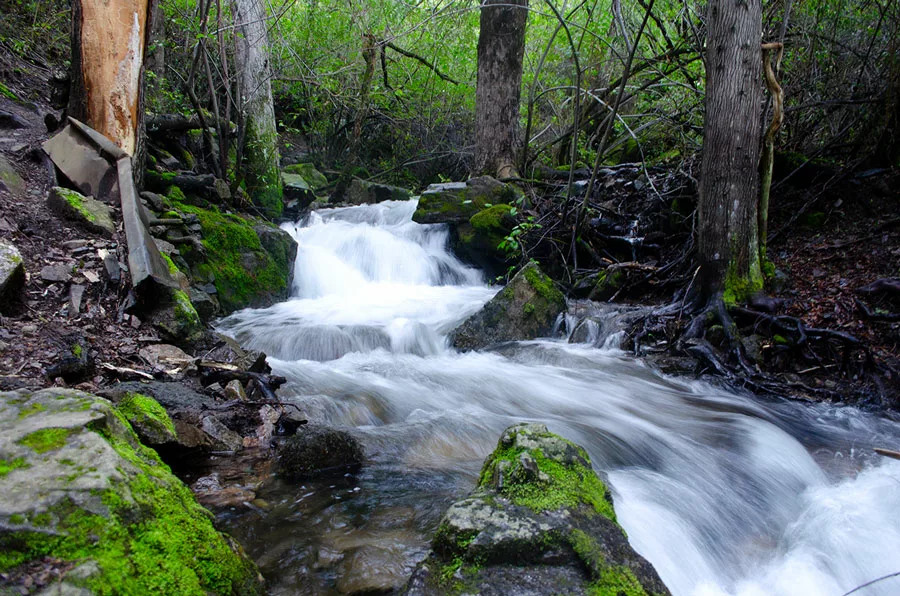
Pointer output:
x,y
723,493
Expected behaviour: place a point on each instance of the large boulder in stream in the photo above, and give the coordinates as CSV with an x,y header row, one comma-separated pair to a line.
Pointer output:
x,y
457,202
539,522
525,309
87,507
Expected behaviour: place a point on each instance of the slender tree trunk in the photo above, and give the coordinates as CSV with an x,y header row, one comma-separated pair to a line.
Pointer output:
x,y
728,235
501,47
260,141
108,43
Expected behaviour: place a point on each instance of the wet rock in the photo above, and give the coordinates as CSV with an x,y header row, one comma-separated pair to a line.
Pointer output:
x,y
372,570
313,177
457,202
539,522
296,188
177,320
78,485
205,305
527,308
480,238
227,439
282,249
235,390
360,192
12,275
56,273
319,451
10,181
229,351
86,212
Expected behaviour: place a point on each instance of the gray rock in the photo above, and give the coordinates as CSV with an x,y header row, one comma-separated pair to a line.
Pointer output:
x,y
79,487
76,293
313,177
86,212
318,451
205,305
540,522
154,201
226,438
234,390
12,275
457,202
112,269
56,273
361,191
526,309
10,181
296,188
282,248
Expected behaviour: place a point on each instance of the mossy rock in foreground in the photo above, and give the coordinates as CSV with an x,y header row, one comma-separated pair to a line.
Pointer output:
x,y
540,522
79,491
525,309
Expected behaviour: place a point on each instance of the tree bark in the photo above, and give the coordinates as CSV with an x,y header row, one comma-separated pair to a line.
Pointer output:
x,y
728,235
260,141
108,44
501,47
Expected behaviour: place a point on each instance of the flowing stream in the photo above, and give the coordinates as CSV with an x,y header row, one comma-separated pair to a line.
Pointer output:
x,y
723,493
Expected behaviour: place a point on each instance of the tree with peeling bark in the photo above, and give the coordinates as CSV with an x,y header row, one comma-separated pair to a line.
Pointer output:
x,y
259,146
728,235
501,48
107,59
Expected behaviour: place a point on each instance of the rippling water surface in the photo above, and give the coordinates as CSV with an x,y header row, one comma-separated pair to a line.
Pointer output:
x,y
723,493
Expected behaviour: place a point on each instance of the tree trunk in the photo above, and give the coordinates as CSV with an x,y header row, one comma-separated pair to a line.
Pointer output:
x,y
501,47
260,142
108,42
728,234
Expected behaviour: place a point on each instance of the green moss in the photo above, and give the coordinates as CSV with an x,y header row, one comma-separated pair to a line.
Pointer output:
x,y
616,580
138,407
171,215
7,466
176,195
8,93
490,219
156,540
32,409
739,289
543,285
76,202
46,439
77,350
226,238
185,313
780,340
173,268
261,173
565,486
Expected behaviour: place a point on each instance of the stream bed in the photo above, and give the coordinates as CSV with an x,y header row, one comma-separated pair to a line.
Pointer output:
x,y
723,493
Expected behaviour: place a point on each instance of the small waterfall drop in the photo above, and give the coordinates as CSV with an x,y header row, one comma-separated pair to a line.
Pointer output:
x,y
723,493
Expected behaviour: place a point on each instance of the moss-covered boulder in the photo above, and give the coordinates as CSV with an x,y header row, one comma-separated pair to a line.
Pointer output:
x,y
361,192
148,419
250,261
525,309
313,177
12,275
457,202
176,319
86,212
479,239
297,189
539,522
79,493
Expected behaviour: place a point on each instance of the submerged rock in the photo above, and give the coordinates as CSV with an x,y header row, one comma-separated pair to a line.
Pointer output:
x,y
539,522
88,213
319,451
12,275
456,202
527,308
76,486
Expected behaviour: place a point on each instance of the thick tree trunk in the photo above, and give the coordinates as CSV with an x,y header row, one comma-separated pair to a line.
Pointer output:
x,y
260,142
729,184
501,47
108,41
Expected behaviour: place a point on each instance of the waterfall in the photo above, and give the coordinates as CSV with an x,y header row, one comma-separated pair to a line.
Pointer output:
x,y
723,493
